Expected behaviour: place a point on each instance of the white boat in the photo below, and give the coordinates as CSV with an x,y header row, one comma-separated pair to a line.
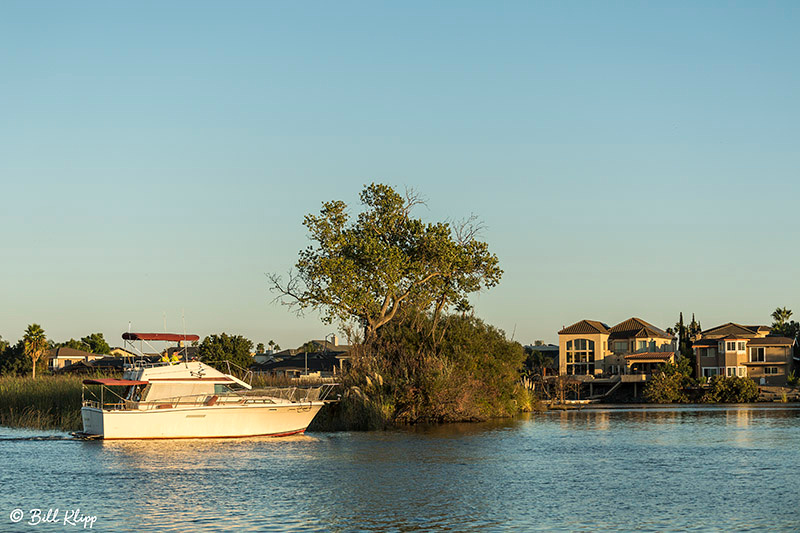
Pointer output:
x,y
189,399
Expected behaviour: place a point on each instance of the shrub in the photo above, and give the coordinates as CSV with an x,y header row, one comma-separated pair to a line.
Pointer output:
x,y
731,390
666,387
461,369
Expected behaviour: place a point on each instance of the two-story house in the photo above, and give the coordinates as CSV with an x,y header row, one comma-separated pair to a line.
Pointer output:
x,y
590,347
736,350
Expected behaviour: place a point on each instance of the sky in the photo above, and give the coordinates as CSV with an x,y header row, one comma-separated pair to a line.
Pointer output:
x,y
626,158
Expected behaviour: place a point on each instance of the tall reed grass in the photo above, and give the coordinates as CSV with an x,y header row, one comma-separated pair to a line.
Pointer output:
x,y
47,402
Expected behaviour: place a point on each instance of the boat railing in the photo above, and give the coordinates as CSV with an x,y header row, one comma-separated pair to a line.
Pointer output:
x,y
245,374
141,363
271,395
295,394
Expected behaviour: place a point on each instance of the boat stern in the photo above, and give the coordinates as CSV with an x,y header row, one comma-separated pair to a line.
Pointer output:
x,y
92,420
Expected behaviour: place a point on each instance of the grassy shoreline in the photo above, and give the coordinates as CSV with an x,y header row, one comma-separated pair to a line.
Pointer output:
x,y
54,402
47,402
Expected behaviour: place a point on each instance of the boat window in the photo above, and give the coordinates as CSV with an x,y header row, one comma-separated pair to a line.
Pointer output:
x,y
221,389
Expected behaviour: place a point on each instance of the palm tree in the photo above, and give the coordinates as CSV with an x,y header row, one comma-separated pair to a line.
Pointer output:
x,y
35,343
781,317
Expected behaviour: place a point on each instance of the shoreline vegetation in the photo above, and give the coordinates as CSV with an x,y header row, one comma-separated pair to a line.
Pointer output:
x,y
44,402
399,288
368,400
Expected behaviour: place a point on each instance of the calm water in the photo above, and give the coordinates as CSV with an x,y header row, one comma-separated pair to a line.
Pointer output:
x,y
668,469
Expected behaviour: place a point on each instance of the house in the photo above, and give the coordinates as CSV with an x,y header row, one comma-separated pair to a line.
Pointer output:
x,y
106,364
330,349
634,346
737,350
317,364
547,350
122,352
61,357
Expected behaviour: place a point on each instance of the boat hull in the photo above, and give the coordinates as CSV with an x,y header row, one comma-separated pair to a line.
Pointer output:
x,y
200,422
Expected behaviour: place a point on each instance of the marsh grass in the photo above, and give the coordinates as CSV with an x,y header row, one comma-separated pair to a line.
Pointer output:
x,y
47,402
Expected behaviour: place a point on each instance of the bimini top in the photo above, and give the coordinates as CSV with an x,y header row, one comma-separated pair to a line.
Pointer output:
x,y
171,337
112,381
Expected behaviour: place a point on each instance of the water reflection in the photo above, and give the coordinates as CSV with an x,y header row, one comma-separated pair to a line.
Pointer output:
x,y
617,469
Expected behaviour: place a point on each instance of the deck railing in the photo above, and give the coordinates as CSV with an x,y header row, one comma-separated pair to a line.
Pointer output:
x,y
266,396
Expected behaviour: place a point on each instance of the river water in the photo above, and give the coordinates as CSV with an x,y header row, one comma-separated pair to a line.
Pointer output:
x,y
694,468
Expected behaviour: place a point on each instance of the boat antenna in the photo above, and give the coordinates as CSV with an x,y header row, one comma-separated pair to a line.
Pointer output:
x,y
185,348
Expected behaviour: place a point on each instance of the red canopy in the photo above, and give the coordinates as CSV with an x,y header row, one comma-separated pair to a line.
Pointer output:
x,y
172,337
112,381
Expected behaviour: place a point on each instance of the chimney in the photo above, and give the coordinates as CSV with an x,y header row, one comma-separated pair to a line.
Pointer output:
x,y
335,340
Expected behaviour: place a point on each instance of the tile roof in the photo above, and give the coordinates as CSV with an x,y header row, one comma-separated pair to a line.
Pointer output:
x,y
313,362
705,342
585,326
731,328
636,327
71,352
772,341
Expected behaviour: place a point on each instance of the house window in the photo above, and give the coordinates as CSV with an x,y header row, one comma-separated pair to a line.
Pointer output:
x,y
620,346
731,371
642,346
709,372
730,346
757,355
741,347
580,357
770,369
703,352
742,371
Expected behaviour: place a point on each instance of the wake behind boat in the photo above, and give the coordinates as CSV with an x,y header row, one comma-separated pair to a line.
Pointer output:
x,y
189,399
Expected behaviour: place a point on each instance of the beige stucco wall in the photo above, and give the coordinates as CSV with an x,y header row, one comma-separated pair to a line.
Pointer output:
x,y
601,350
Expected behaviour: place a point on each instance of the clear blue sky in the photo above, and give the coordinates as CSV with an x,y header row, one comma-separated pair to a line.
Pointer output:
x,y
628,159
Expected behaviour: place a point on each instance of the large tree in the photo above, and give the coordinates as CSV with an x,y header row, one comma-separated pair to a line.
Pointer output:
x,y
35,342
93,343
366,270
216,349
14,361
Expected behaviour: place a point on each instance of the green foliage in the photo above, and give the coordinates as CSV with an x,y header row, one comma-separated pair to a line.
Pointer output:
x,y
96,343
216,349
782,325
667,386
50,402
792,379
309,347
470,372
368,269
685,352
35,343
260,347
731,390
92,343
14,361
538,362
